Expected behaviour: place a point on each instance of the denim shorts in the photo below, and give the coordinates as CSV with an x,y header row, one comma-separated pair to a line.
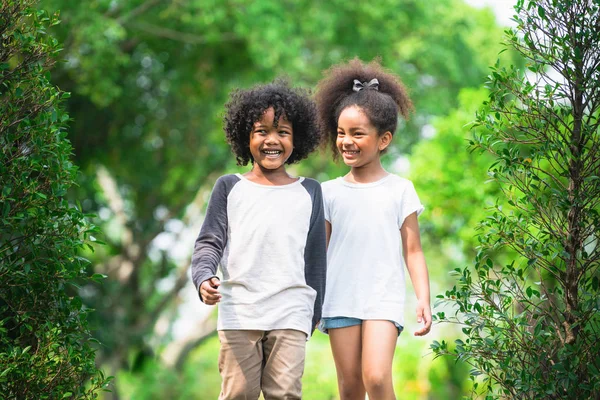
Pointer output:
x,y
344,322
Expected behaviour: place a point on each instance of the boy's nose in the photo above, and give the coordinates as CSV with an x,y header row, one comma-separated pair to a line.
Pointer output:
x,y
271,138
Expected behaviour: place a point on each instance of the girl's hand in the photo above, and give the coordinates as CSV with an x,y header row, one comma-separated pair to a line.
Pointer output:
x,y
423,315
210,292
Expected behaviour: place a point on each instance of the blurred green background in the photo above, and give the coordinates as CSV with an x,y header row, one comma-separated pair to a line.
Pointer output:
x,y
149,79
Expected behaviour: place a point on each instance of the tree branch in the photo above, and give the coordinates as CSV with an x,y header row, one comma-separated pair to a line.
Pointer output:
x,y
183,37
177,352
139,10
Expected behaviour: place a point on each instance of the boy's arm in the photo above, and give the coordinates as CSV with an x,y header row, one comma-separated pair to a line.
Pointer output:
x,y
417,268
212,239
315,253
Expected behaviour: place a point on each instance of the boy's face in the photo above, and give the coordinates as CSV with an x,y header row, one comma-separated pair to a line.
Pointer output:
x,y
271,146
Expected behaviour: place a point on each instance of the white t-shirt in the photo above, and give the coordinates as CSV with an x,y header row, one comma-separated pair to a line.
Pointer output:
x,y
365,267
270,244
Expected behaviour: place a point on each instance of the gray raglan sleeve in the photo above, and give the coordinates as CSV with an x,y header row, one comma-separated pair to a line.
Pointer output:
x,y
212,239
315,253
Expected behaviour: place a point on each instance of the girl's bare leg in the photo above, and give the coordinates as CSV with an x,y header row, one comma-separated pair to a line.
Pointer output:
x,y
378,345
346,349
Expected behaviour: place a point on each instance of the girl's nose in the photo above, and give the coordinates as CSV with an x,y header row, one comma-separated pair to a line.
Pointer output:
x,y
347,140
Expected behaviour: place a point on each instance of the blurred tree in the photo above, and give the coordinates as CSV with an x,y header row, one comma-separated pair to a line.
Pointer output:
x,y
450,182
149,78
45,350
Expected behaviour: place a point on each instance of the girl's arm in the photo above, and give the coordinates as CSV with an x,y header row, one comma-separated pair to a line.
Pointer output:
x,y
417,268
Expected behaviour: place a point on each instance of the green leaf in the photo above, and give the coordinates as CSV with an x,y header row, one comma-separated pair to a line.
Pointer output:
x,y
98,277
542,12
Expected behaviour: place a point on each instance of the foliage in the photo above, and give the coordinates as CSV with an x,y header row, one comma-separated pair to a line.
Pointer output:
x,y
45,347
448,180
532,324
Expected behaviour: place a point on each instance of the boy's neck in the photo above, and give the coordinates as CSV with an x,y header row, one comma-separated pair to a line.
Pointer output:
x,y
269,177
371,172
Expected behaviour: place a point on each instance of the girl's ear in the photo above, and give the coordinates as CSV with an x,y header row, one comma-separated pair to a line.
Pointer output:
x,y
385,140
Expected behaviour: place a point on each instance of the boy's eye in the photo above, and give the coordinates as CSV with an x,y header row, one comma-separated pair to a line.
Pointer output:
x,y
284,133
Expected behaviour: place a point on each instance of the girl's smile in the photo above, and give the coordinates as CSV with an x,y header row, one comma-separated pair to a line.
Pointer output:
x,y
272,154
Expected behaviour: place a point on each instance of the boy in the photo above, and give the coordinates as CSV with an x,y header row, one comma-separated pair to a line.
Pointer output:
x,y
267,231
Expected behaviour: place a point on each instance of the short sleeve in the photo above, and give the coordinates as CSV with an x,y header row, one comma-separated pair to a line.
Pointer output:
x,y
326,203
409,203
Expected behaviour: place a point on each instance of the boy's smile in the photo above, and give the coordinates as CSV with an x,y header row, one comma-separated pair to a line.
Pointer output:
x,y
271,145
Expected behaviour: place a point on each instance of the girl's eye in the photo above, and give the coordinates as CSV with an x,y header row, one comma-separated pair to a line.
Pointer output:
x,y
340,134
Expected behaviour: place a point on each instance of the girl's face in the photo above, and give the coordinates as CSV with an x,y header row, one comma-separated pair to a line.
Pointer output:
x,y
271,146
357,139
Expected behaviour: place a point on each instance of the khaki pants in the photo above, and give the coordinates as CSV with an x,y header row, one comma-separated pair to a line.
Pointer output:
x,y
271,361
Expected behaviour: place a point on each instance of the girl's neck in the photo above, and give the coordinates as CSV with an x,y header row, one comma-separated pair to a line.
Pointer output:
x,y
371,172
270,177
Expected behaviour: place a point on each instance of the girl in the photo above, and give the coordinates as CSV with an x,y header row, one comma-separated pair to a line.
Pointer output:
x,y
368,212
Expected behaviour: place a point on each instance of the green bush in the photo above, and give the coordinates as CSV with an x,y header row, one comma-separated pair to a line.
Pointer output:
x,y
45,350
532,324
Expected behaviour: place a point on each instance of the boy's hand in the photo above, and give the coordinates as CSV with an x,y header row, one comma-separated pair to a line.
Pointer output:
x,y
423,315
209,290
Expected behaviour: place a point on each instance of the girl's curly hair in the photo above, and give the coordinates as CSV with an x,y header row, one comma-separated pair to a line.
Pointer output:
x,y
335,93
245,107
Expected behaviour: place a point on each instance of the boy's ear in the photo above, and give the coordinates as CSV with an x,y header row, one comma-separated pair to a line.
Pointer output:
x,y
385,140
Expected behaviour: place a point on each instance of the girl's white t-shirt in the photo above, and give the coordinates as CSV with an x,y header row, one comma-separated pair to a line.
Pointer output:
x,y
365,267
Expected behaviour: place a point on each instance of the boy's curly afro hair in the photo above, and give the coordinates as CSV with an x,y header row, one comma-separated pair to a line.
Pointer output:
x,y
335,93
245,107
